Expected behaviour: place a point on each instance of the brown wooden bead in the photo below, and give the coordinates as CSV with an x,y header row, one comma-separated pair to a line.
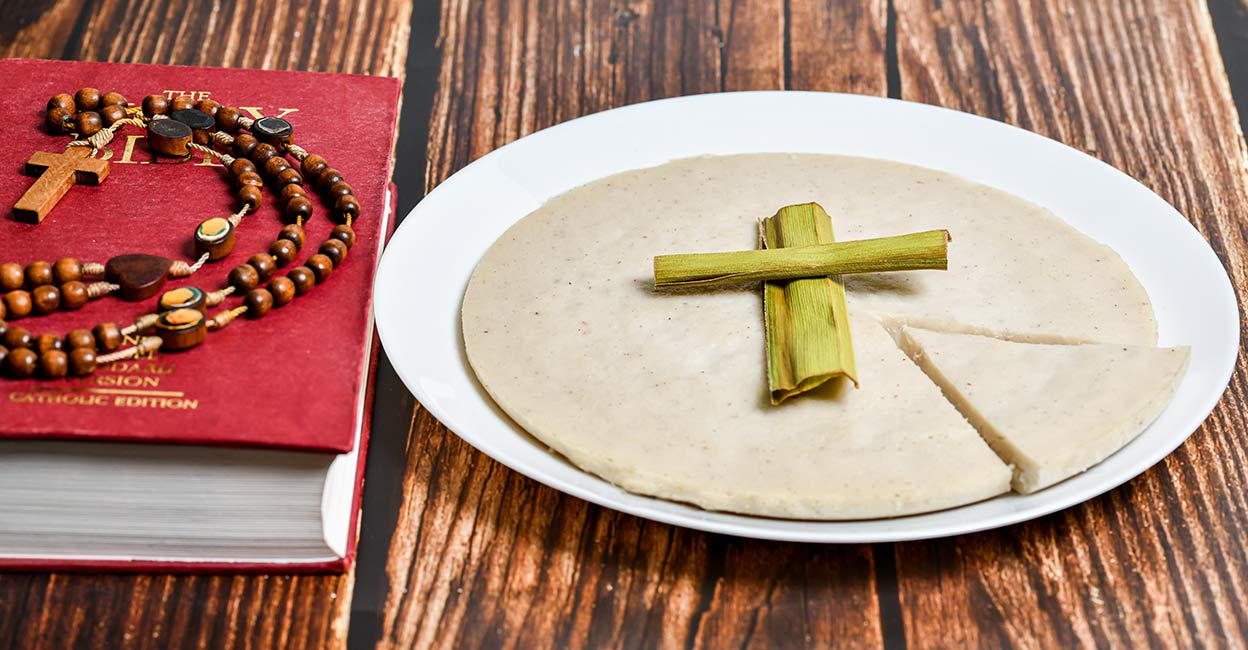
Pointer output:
x,y
169,138
293,233
62,100
299,207
11,276
4,327
114,99
275,165
328,179
259,302
111,114
79,338
321,267
343,233
45,342
17,337
87,99
20,364
88,123
336,190
289,176
74,295
53,364
313,166
243,144
38,274
262,153
241,165
215,237
249,178
227,119
181,103
251,196
108,337
82,361
290,191
282,290
46,299
273,130
335,250
303,278
208,106
3,353
154,105
18,304
244,278
264,264
3,311
59,121
200,122
66,269
181,329
346,208
284,252
139,276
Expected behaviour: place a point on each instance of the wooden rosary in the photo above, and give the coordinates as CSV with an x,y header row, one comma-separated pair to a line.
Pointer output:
x,y
175,129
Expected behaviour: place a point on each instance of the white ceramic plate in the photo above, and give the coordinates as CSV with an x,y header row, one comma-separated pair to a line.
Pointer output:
x,y
422,277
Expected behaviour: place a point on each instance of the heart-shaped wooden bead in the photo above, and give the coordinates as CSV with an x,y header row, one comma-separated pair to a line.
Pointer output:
x,y
139,276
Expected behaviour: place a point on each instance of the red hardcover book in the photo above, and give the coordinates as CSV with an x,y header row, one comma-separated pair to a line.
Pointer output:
x,y
243,453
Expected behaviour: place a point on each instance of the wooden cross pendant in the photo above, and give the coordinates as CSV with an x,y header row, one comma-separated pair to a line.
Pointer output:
x,y
57,172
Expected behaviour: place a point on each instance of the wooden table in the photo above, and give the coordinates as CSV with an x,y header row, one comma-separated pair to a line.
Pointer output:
x,y
459,551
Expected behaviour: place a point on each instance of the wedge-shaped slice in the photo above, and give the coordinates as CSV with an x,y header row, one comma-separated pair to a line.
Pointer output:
x,y
1051,411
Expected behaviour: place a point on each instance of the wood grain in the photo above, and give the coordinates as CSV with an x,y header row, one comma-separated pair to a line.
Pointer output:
x,y
1139,84
84,611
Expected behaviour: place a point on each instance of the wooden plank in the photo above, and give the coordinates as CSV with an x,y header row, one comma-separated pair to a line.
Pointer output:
x,y
482,556
87,611
1139,84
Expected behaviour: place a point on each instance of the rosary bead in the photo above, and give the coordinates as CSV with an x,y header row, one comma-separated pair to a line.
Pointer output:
x,y
181,103
282,290
87,99
3,353
243,144
64,101
321,267
114,99
290,191
284,251
169,138
227,119
336,190
38,274
273,130
108,337
67,269
249,178
45,342
293,233
215,237
335,250
275,165
60,120
208,106
343,233
264,264
181,329
313,166
20,364
11,276
183,298
111,114
4,327
88,123
200,122
79,338
303,279
154,105
298,207
328,179
82,361
251,196
262,152
241,165
53,364
3,309
16,337
46,299
344,207
244,278
259,302
74,295
18,304
288,176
